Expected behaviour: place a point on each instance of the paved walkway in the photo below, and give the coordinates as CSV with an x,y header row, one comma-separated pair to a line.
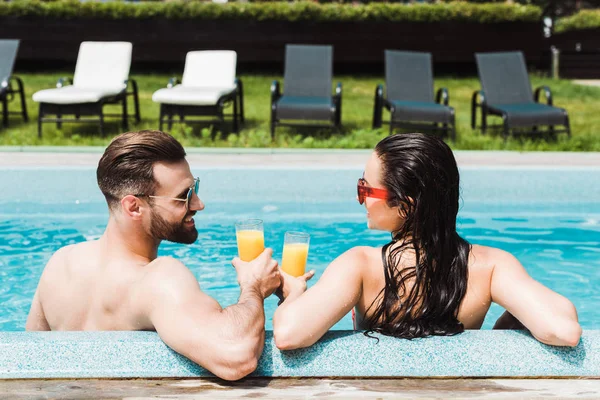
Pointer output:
x,y
302,389
221,158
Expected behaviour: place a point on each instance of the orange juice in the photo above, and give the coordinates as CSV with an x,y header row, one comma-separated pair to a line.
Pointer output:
x,y
250,244
294,258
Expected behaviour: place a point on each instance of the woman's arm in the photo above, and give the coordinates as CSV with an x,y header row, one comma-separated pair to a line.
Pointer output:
x,y
304,317
550,317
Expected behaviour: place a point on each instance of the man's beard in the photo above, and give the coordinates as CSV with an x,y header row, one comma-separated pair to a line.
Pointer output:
x,y
173,232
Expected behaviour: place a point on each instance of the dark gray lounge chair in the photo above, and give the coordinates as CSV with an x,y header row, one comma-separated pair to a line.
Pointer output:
x,y
409,95
8,55
307,89
506,92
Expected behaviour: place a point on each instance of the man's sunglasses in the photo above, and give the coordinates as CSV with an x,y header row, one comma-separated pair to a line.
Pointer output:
x,y
188,197
364,191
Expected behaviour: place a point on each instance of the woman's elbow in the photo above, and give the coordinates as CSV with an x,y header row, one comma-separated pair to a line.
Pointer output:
x,y
564,333
569,330
285,336
571,334
283,340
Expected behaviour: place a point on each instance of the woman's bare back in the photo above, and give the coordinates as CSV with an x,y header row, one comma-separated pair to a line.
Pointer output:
x,y
474,305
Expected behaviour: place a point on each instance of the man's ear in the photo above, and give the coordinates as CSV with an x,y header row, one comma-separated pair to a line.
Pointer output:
x,y
132,207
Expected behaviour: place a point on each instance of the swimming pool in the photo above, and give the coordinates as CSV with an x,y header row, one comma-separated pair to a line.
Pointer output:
x,y
548,218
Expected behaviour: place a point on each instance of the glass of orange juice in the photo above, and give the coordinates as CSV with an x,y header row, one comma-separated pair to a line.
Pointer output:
x,y
250,238
295,253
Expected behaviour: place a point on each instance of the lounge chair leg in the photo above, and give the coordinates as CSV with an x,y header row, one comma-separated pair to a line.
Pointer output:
x,y
23,103
483,120
236,112
59,120
272,131
170,121
5,112
241,100
160,117
567,124
451,127
222,123
136,101
506,129
40,116
124,114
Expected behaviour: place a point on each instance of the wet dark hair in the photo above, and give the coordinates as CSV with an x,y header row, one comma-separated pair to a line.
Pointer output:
x,y
421,176
127,165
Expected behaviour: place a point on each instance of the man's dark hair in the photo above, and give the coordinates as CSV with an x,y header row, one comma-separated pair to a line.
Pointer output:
x,y
126,167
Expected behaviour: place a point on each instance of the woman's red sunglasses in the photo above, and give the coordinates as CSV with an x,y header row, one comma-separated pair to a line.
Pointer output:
x,y
364,191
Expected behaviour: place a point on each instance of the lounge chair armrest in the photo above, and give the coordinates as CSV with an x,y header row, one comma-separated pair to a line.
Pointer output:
x,y
378,107
173,81
275,92
442,96
15,78
379,91
338,90
547,94
134,86
64,81
478,94
239,86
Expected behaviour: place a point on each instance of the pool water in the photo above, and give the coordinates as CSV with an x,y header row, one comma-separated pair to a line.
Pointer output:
x,y
548,218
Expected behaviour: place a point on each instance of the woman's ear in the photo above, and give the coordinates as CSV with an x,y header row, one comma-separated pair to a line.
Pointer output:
x,y
403,207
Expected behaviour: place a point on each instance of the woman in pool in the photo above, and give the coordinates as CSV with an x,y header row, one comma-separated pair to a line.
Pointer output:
x,y
427,280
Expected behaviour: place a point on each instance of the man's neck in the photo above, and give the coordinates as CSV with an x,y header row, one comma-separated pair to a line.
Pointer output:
x,y
127,242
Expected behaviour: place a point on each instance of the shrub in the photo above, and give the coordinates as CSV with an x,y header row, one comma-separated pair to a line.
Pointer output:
x,y
586,19
277,11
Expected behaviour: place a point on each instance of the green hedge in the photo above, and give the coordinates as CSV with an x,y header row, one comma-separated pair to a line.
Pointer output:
x,y
586,19
278,11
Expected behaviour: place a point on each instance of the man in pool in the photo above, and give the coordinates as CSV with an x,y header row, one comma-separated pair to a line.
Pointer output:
x,y
118,283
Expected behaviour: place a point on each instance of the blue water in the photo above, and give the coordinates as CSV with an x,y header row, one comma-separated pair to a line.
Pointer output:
x,y
549,219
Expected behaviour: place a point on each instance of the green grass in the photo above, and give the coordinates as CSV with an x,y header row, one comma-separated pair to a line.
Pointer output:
x,y
580,101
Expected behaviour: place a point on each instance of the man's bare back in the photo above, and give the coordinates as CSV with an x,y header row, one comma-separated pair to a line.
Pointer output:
x,y
118,283
84,288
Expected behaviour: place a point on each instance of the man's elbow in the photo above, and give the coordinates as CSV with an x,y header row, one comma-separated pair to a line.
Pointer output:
x,y
236,370
236,361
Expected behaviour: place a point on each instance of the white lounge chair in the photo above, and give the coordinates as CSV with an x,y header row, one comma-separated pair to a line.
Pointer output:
x,y
101,77
207,87
8,55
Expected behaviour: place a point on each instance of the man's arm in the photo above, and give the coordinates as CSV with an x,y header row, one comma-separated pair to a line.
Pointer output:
x,y
550,317
304,317
36,321
226,341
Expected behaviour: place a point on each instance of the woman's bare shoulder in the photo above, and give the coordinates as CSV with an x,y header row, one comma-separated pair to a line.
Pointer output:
x,y
486,257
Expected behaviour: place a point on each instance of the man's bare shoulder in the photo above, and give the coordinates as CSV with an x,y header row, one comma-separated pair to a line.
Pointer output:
x,y
62,257
169,274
